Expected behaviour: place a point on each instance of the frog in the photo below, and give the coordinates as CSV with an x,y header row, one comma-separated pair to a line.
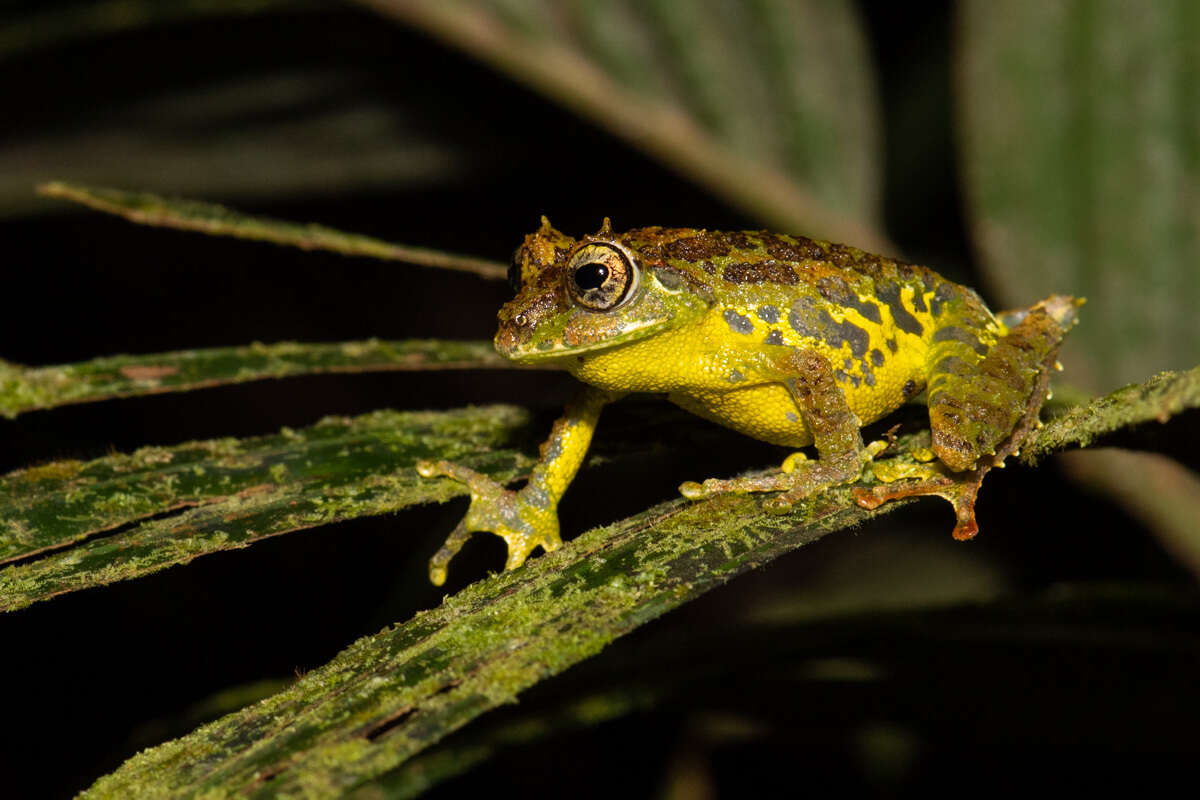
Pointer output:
x,y
794,341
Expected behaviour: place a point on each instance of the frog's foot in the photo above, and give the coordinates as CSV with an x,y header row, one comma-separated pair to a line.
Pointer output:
x,y
959,489
798,477
524,520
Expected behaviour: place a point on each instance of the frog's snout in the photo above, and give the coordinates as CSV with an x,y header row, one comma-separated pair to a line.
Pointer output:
x,y
518,321
508,337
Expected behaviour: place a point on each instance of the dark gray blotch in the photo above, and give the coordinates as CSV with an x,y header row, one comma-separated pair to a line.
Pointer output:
x,y
738,323
877,357
791,417
953,333
943,294
836,290
848,363
890,294
774,337
868,374
768,314
840,376
953,365
669,278
817,324
918,300
891,343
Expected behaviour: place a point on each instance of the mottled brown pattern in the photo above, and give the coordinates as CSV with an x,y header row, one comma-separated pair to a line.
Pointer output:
x,y
871,265
760,272
841,255
550,278
742,240
801,250
697,248
955,452
1006,368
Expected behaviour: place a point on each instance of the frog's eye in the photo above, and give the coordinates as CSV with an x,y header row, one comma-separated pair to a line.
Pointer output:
x,y
514,270
601,276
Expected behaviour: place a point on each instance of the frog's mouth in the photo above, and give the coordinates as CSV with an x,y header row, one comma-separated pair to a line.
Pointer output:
x,y
582,332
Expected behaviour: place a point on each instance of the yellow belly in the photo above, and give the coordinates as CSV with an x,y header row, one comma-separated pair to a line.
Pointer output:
x,y
765,412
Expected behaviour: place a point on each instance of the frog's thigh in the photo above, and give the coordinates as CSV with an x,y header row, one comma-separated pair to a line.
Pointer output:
x,y
809,379
976,394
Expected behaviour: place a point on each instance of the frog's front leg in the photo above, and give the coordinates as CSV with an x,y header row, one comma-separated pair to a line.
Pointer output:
x,y
809,378
527,518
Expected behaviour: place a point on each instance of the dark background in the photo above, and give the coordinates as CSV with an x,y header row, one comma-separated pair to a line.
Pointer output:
x,y
1075,666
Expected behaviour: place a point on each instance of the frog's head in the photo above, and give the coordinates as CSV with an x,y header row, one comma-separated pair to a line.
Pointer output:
x,y
574,296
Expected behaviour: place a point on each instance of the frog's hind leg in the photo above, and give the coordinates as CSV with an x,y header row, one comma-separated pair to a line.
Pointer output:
x,y
959,490
1029,350
978,394
809,378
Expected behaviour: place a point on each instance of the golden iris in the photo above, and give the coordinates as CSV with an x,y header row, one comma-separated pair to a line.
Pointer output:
x,y
601,276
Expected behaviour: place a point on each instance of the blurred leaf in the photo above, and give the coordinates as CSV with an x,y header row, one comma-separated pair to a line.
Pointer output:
x,y
423,772
271,130
130,515
57,23
149,209
770,103
25,389
1159,491
1081,150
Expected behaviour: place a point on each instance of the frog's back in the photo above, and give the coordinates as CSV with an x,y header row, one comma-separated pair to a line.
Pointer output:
x,y
878,322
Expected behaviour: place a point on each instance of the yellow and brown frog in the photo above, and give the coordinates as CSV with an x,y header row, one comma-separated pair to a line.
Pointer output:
x,y
787,339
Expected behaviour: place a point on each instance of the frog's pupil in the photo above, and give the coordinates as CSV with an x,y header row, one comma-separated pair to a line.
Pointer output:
x,y
591,276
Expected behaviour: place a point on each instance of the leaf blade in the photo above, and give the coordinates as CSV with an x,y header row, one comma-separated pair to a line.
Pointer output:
x,y
216,220
1081,148
24,389
229,494
828,184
